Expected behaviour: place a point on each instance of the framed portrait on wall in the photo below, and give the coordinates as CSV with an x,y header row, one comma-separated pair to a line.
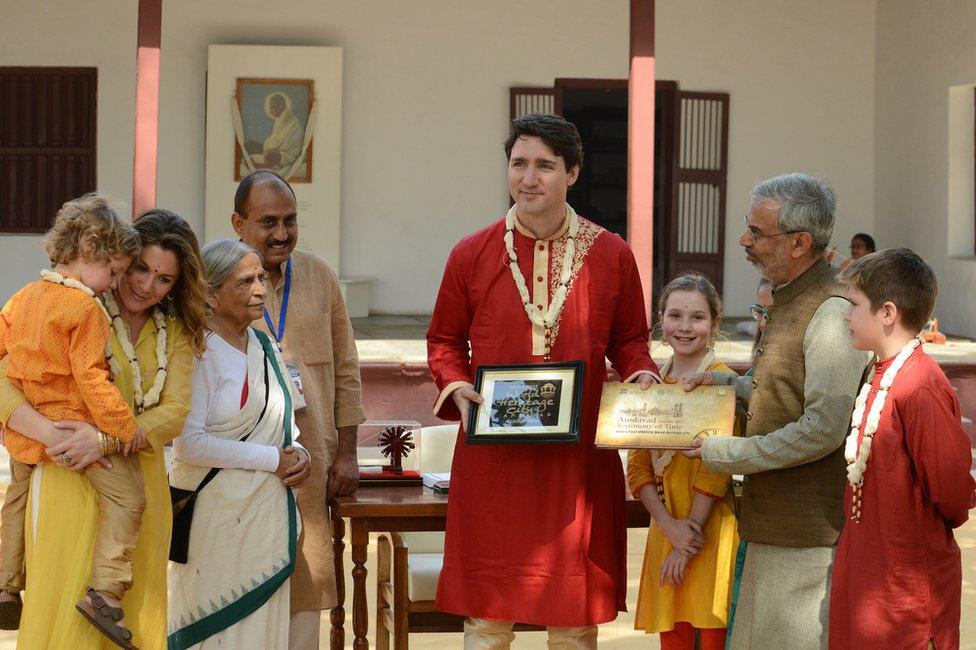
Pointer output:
x,y
273,125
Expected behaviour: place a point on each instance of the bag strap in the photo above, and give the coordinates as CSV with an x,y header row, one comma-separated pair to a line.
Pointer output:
x,y
267,392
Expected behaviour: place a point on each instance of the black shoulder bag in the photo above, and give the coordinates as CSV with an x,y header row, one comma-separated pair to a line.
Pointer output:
x,y
184,500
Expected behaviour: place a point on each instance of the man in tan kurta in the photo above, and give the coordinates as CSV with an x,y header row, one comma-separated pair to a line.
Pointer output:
x,y
317,344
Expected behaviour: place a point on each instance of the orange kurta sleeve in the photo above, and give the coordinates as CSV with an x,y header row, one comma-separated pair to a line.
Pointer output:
x,y
86,348
640,471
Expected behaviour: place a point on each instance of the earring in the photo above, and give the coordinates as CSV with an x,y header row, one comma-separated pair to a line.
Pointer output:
x,y
170,307
664,341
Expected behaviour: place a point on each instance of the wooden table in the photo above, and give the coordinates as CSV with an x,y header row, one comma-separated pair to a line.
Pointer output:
x,y
391,509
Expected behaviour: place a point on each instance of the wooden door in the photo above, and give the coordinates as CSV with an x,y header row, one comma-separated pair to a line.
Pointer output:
x,y
698,185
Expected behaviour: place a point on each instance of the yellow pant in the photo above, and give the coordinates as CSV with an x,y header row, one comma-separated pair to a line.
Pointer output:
x,y
485,634
121,502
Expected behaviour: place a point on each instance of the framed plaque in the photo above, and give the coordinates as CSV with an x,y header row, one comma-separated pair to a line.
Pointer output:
x,y
536,403
664,416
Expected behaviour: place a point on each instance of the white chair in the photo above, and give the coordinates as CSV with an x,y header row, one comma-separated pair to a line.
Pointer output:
x,y
409,564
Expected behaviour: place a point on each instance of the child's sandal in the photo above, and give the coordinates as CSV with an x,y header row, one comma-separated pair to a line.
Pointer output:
x,y
104,617
10,611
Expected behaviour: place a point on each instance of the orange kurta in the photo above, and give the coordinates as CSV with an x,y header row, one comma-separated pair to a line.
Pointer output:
x,y
55,337
703,599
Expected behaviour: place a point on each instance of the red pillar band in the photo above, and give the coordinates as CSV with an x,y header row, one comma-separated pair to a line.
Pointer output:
x,y
147,105
640,143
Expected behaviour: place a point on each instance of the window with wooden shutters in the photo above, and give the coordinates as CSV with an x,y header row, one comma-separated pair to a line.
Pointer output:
x,y
47,143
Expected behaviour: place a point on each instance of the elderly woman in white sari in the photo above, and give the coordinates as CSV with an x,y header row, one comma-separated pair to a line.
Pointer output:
x,y
238,452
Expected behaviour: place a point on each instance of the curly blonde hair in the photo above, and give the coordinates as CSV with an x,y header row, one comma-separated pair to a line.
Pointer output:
x,y
89,227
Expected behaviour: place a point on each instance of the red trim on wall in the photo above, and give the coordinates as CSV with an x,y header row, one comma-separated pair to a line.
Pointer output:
x,y
640,143
147,105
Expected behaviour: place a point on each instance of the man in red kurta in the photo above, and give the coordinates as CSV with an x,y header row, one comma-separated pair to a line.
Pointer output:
x,y
537,534
897,575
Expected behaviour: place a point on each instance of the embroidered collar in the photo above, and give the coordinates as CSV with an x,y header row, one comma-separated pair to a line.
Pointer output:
x,y
559,234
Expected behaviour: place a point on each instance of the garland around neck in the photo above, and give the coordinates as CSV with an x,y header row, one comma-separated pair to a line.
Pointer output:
x,y
551,316
857,456
151,397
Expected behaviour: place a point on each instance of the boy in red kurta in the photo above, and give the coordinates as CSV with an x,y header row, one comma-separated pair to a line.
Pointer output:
x,y
537,534
897,576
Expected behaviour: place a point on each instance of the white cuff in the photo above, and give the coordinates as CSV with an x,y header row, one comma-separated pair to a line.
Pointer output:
x,y
450,388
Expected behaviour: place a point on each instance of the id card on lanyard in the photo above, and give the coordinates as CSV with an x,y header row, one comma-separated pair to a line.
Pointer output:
x,y
279,335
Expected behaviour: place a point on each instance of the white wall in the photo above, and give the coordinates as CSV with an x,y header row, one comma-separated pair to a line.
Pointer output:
x,y
921,53
425,103
800,77
59,33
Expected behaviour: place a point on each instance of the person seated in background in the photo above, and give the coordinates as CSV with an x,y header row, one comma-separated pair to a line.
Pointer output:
x,y
861,244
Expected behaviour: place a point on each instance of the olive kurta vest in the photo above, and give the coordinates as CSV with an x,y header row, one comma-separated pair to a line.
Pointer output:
x,y
800,506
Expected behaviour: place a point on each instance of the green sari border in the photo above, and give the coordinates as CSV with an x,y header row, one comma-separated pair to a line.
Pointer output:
x,y
255,599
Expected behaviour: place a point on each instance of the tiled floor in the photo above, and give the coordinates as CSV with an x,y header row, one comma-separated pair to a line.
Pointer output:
x,y
620,633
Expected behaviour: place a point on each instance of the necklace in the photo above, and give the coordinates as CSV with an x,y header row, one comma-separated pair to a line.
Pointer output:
x,y
551,316
151,397
857,458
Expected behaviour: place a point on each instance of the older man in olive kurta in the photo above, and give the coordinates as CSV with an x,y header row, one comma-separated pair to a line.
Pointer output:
x,y
800,398
305,313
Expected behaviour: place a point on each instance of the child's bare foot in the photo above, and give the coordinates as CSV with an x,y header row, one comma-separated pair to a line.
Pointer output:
x,y
10,610
104,611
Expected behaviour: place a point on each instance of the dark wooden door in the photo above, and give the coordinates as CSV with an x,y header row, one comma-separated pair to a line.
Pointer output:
x,y
698,185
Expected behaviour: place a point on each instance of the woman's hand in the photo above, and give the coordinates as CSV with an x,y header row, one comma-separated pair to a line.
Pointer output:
x,y
137,444
673,569
685,535
300,470
80,449
293,466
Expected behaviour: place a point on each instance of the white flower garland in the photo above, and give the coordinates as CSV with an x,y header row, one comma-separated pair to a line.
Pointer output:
x,y
151,398
551,316
857,458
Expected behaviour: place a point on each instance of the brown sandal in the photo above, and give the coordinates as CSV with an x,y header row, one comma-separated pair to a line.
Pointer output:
x,y
10,611
104,617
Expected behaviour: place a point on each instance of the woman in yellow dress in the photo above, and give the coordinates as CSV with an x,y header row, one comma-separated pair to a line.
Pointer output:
x,y
690,556
157,332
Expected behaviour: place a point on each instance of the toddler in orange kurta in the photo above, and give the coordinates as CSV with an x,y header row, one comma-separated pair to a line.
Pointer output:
x,y
54,334
688,563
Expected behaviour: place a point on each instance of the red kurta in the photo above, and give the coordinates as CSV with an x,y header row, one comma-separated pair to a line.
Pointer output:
x,y
898,576
537,534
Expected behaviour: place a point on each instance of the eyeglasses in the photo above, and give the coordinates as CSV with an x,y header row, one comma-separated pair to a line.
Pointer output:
x,y
760,313
755,235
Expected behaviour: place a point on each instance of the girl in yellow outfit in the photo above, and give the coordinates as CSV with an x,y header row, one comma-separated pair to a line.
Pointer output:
x,y
683,595
63,511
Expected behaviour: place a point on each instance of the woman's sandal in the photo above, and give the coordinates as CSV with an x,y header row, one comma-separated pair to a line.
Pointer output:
x,y
104,617
10,611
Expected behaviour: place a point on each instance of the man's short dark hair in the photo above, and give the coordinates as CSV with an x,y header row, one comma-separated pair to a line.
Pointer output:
x,y
249,181
558,134
896,275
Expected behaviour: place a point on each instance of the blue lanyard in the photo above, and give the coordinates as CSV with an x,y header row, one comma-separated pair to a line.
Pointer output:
x,y
283,313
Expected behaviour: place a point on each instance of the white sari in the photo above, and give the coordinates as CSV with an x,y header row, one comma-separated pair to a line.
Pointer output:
x,y
234,590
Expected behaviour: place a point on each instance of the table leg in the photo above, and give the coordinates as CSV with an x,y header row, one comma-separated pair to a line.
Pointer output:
x,y
337,616
360,611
